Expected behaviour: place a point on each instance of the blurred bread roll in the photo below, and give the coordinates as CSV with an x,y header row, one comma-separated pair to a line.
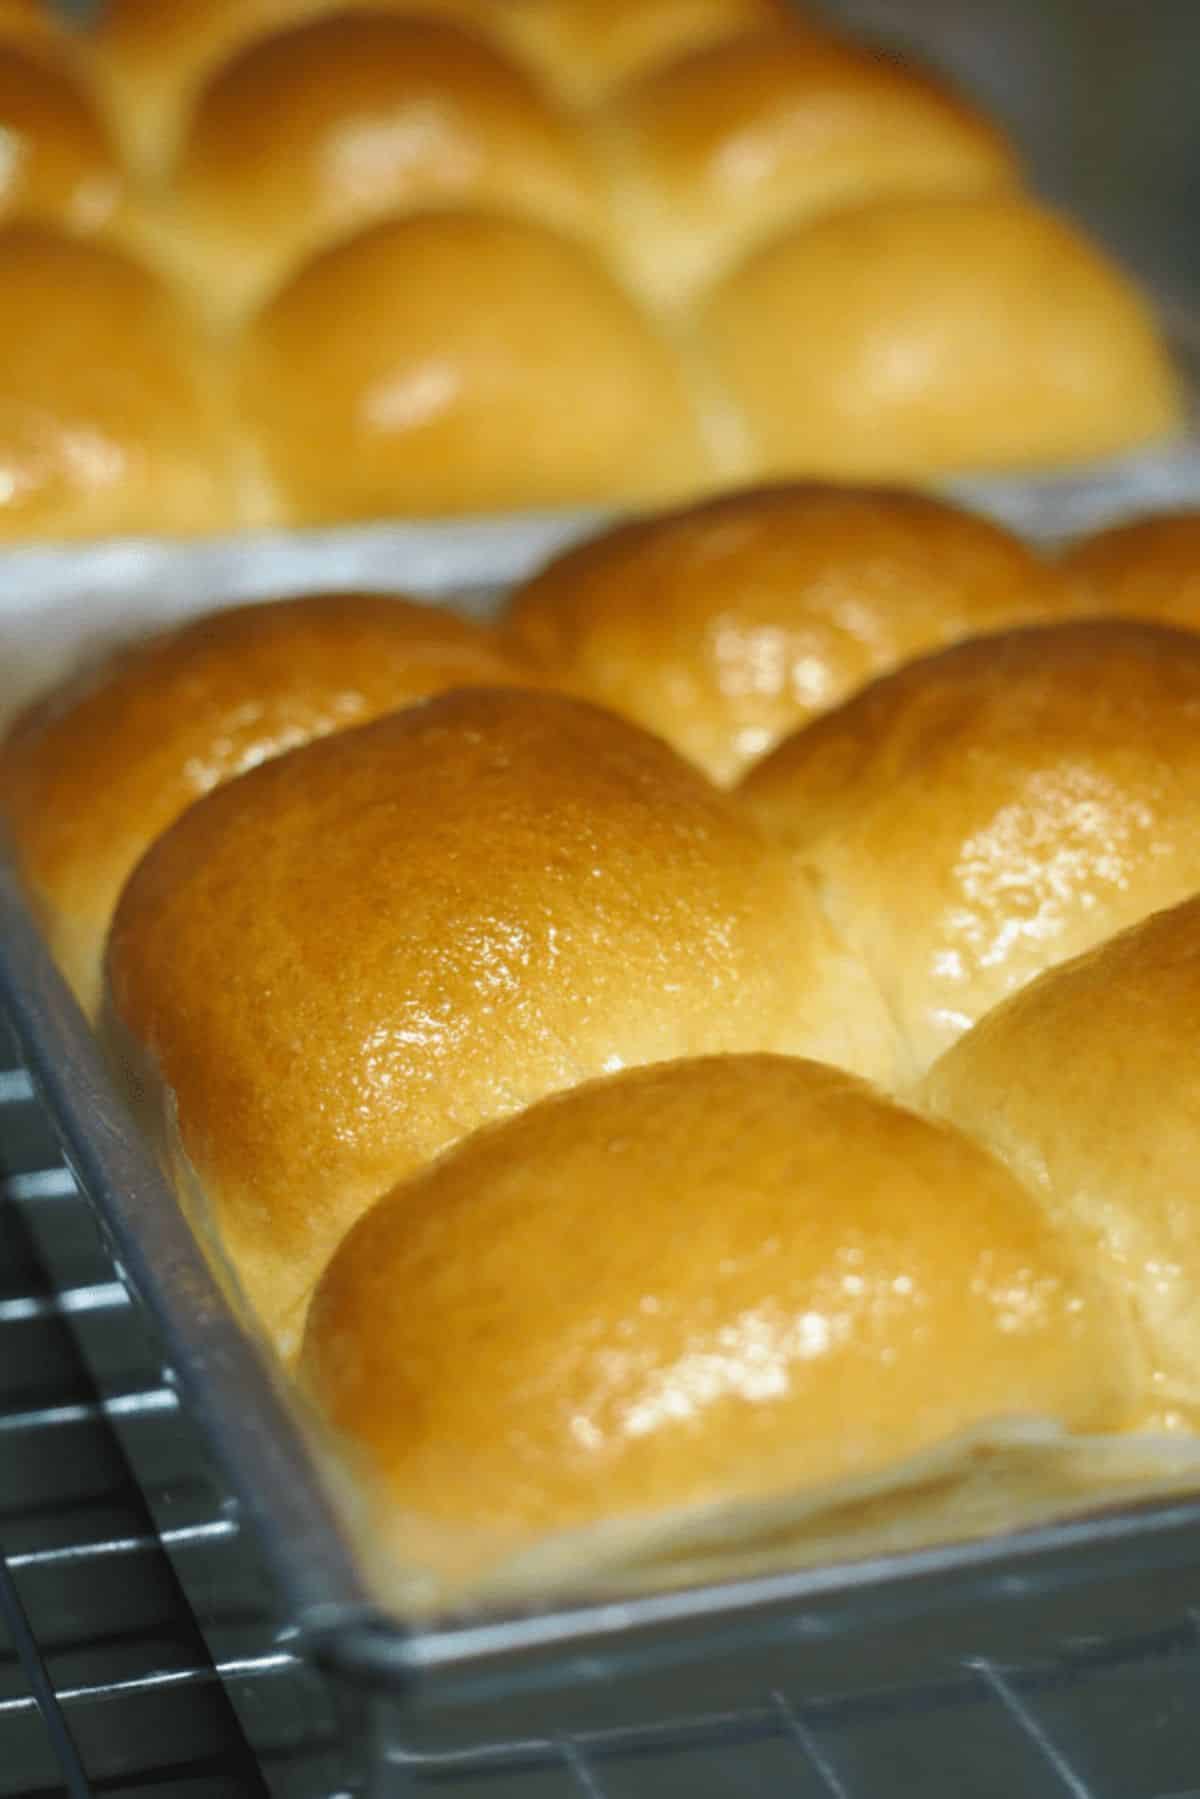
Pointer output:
x,y
987,812
354,116
345,960
92,774
724,626
463,362
724,148
113,405
1087,1085
714,1280
58,166
586,48
1147,568
936,334
495,255
151,59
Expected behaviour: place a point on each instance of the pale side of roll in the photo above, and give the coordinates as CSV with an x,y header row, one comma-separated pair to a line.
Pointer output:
x,y
1086,1083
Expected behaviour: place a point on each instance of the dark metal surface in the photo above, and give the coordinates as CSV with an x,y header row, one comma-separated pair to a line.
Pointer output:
x,y
1101,97
105,1578
104,1677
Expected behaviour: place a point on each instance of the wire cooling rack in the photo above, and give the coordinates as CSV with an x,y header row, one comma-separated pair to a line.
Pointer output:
x,y
139,1653
106,1682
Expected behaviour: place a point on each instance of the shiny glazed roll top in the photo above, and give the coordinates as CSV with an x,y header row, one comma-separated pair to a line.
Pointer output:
x,y
984,813
345,960
725,625
713,1280
93,773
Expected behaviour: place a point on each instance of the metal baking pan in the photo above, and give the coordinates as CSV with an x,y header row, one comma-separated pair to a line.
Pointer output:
x,y
637,1697
634,1697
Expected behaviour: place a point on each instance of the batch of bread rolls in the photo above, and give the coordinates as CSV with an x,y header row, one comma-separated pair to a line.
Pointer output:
x,y
718,1036
284,262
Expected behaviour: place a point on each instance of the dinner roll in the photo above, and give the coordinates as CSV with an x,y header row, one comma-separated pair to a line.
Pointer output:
x,y
353,116
112,406
984,813
1087,1083
350,957
937,334
587,47
1147,568
725,625
151,58
381,384
58,165
725,147
90,776
703,1281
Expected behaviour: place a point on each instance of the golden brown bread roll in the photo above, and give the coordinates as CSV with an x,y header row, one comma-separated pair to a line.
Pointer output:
x,y
379,383
586,48
724,626
933,334
984,813
58,165
354,116
1086,1083
705,1281
1148,568
348,958
150,59
112,405
481,365
90,776
724,148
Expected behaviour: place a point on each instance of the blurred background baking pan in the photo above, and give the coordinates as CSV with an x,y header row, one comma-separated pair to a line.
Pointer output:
x,y
293,265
